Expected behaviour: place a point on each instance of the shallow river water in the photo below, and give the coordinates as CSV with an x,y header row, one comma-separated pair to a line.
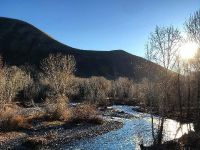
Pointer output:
x,y
130,135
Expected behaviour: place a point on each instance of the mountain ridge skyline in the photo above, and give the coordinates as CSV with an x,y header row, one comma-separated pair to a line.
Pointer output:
x,y
22,43
101,25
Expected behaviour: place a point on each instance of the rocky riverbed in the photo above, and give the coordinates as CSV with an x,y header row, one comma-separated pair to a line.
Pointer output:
x,y
54,134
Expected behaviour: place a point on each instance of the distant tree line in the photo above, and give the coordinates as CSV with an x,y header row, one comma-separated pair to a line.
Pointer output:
x,y
57,78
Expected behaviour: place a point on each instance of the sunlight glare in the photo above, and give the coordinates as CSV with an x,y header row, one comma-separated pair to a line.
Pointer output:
x,y
188,50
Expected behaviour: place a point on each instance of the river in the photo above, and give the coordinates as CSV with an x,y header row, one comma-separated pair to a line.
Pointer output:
x,y
134,131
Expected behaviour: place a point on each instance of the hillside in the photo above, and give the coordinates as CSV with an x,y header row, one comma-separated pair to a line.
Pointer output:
x,y
22,43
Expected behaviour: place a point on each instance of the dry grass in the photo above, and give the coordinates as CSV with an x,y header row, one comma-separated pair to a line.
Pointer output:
x,y
12,120
59,110
15,118
81,113
53,123
35,116
86,113
10,136
35,141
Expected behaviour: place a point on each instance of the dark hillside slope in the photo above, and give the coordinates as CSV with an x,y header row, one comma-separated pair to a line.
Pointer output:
x,y
22,43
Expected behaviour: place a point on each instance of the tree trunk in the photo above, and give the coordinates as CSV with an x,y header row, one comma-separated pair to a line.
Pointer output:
x,y
152,128
188,97
198,95
180,97
160,131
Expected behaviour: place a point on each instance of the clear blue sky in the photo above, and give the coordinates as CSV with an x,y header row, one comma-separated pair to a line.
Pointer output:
x,y
100,24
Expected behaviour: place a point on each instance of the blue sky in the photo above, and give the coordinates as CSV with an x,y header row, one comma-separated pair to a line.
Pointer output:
x,y
100,24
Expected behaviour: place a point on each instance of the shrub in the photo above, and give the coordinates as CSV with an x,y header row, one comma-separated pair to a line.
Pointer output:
x,y
35,92
58,110
123,88
12,81
86,113
11,120
34,142
95,89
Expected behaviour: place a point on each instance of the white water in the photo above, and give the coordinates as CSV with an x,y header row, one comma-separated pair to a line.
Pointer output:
x,y
130,135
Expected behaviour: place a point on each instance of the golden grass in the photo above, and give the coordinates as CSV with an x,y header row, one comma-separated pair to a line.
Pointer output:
x,y
86,113
12,120
53,123
59,110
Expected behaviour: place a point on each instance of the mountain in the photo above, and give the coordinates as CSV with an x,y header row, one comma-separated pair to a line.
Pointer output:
x,y
22,43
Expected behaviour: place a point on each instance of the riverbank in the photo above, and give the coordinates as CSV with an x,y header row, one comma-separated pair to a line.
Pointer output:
x,y
175,115
120,126
188,141
52,134
136,130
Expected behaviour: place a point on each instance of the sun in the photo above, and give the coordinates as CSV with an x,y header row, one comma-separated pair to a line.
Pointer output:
x,y
188,50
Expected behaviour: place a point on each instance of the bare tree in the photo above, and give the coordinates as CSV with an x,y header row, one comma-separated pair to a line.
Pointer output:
x,y
123,88
162,49
58,73
193,27
187,73
193,31
97,89
12,81
178,82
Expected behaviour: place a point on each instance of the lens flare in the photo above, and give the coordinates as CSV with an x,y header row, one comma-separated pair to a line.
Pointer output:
x,y
188,50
